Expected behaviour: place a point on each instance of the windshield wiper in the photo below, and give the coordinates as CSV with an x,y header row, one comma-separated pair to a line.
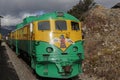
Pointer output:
x,y
58,27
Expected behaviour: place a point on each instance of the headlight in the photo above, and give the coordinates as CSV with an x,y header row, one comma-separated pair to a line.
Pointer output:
x,y
75,49
49,49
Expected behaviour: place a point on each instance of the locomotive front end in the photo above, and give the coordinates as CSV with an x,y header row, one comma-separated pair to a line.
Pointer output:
x,y
58,46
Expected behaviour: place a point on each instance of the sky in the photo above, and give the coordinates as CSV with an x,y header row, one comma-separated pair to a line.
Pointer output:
x,y
14,11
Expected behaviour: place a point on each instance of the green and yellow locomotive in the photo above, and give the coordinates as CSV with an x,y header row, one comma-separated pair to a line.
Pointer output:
x,y
52,42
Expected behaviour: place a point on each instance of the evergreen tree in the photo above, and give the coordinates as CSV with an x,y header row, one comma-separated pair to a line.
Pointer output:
x,y
79,9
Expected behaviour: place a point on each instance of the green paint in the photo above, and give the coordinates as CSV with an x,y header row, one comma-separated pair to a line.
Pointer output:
x,y
47,16
56,60
51,66
54,15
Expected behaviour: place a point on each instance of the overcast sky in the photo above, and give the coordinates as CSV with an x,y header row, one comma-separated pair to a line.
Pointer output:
x,y
15,10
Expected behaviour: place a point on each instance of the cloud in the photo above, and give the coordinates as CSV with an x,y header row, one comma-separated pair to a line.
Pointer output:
x,y
15,10
16,7
107,3
9,20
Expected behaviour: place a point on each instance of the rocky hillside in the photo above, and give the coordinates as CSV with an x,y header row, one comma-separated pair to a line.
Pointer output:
x,y
102,43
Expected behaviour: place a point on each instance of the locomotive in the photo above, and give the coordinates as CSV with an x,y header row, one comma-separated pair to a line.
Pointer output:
x,y
52,42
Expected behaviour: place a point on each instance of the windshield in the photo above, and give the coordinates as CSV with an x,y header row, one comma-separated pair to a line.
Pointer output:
x,y
60,25
75,26
44,25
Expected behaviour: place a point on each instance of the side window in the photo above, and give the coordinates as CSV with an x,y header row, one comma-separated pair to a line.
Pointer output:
x,y
60,25
75,26
44,25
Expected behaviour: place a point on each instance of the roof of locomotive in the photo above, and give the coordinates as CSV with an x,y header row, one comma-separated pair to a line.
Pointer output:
x,y
48,16
57,15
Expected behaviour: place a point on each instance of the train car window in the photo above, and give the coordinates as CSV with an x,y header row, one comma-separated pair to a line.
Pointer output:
x,y
75,26
60,25
44,25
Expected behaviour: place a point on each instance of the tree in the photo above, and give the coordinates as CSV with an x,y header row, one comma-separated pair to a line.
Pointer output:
x,y
79,9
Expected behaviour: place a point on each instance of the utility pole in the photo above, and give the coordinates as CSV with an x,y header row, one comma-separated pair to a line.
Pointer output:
x,y
0,23
0,29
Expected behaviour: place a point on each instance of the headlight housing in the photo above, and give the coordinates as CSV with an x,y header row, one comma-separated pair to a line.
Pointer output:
x,y
75,49
49,49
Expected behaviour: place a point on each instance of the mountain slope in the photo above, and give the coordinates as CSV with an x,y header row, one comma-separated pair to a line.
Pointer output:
x,y
5,29
102,43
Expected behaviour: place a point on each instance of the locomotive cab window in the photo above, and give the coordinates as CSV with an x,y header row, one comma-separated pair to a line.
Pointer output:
x,y
75,26
44,25
60,25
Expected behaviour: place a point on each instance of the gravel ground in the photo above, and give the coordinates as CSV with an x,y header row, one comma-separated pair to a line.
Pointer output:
x,y
84,76
22,69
